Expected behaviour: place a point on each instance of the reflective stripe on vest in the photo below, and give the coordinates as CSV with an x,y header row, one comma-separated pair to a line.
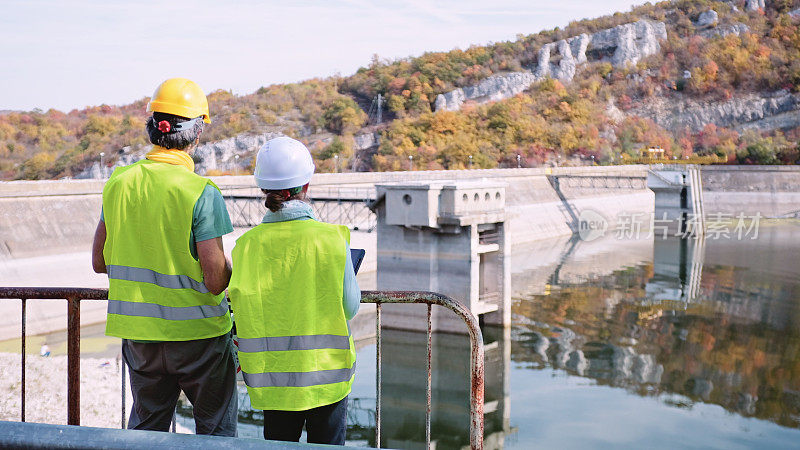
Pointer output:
x,y
298,379
155,311
159,279
285,343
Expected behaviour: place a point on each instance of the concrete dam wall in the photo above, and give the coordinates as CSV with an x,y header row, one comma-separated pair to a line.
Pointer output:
x,y
772,191
51,217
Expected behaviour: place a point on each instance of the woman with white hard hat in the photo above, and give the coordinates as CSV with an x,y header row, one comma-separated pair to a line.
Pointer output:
x,y
293,289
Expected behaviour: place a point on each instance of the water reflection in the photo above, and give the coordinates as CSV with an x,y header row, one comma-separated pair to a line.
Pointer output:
x,y
715,322
404,381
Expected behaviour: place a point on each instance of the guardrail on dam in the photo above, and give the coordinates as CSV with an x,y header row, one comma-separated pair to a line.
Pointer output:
x,y
74,297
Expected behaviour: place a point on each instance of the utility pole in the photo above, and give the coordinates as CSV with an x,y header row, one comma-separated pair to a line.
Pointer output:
x,y
380,108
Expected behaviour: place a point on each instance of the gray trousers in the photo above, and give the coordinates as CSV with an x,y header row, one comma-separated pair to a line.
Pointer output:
x,y
202,368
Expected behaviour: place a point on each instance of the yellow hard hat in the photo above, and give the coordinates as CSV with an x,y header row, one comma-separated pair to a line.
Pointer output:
x,y
180,97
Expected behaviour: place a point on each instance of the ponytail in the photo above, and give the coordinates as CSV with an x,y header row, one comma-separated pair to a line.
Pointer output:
x,y
276,198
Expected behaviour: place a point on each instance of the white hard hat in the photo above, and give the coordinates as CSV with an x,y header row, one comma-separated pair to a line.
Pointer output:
x,y
283,163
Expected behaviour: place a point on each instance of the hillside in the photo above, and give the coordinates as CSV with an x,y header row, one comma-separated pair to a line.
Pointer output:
x,y
694,77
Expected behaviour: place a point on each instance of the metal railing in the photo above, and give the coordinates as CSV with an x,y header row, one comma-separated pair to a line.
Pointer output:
x,y
476,354
340,205
74,296
603,181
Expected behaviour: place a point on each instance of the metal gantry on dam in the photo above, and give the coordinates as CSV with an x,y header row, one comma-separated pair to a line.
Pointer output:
x,y
341,205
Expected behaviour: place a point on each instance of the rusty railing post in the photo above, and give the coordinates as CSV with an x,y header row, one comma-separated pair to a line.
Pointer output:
x,y
428,384
476,385
73,361
476,353
378,375
22,409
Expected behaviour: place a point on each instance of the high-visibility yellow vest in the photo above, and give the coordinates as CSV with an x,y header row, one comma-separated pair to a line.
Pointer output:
x,y
156,289
295,346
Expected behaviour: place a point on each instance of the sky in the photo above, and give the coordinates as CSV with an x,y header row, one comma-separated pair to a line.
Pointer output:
x,y
70,54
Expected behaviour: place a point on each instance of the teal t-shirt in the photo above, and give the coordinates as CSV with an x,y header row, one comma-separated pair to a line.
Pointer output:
x,y
209,218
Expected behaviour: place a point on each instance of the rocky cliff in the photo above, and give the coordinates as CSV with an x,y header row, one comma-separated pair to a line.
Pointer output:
x,y
626,45
623,45
706,19
496,87
776,110
724,30
228,155
754,5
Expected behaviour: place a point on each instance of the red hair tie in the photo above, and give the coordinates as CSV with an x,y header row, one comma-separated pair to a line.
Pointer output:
x,y
164,126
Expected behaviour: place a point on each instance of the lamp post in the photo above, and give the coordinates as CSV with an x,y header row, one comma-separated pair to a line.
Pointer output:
x,y
470,161
336,162
236,164
519,161
410,162
102,167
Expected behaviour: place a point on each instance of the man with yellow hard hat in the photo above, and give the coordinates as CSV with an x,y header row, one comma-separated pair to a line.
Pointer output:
x,y
159,239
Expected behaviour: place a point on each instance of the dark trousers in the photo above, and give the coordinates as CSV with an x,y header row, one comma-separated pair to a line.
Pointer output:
x,y
324,425
202,368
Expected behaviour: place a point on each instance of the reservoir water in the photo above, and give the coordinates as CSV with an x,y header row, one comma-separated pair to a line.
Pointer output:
x,y
624,343
628,359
